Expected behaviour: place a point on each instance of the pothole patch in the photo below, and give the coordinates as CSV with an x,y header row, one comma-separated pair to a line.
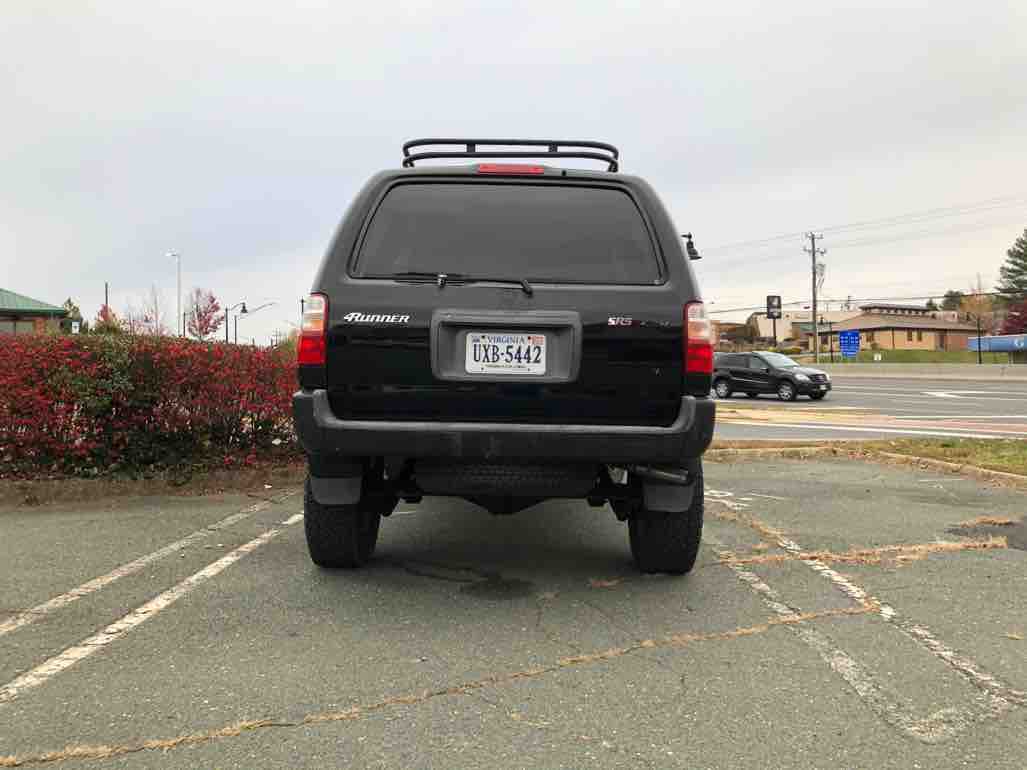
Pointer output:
x,y
1013,530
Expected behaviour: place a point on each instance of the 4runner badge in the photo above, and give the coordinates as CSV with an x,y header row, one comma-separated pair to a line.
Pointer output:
x,y
375,318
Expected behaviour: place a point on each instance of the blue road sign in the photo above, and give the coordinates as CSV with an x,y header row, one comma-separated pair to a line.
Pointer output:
x,y
849,342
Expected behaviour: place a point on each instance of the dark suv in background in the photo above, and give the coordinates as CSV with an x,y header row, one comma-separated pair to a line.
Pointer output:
x,y
766,372
506,333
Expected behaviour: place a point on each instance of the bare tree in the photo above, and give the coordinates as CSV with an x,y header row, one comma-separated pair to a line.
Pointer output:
x,y
978,305
154,312
148,317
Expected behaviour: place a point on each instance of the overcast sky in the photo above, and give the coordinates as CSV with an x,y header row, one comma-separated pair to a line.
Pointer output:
x,y
236,133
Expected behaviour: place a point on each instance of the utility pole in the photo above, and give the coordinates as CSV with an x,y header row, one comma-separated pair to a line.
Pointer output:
x,y
106,296
814,252
980,355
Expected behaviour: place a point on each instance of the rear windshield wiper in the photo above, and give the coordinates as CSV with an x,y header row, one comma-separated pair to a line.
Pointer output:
x,y
442,278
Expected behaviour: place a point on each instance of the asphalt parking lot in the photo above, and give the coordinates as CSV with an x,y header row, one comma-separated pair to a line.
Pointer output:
x,y
861,408
840,616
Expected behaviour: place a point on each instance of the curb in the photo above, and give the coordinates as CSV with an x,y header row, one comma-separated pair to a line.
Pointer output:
x,y
960,468
801,453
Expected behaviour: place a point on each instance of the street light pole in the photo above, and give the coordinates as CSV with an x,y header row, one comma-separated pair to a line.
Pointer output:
x,y
228,310
250,312
178,308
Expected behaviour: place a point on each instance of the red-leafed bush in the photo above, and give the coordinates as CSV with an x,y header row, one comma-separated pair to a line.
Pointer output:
x,y
89,405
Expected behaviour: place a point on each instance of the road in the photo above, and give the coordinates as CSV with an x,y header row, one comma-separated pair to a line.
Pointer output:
x,y
180,633
864,408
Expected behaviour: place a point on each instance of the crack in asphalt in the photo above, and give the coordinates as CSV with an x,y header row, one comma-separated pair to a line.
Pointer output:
x,y
436,571
467,688
900,554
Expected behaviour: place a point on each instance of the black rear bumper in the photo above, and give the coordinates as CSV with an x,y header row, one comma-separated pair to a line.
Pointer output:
x,y
322,433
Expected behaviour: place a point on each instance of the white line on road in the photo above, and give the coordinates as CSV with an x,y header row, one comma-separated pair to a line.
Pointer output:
x,y
958,416
852,429
69,657
31,615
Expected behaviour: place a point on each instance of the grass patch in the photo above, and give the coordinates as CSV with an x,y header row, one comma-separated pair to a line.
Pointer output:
x,y
1008,455
919,357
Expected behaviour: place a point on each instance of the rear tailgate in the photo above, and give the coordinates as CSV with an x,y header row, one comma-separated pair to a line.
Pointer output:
x,y
596,341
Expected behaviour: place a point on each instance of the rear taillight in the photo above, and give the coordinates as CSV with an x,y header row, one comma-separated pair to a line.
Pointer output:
x,y
698,340
312,333
515,169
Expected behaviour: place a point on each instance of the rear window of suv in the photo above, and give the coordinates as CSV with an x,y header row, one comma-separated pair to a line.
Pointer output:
x,y
554,233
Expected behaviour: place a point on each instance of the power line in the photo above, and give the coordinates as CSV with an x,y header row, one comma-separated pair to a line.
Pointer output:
x,y
862,299
919,235
932,214
907,218
924,234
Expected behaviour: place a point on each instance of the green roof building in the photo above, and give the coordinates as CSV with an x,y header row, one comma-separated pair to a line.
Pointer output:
x,y
23,315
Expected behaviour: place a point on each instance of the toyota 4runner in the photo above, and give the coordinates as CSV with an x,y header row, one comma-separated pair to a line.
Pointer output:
x,y
507,333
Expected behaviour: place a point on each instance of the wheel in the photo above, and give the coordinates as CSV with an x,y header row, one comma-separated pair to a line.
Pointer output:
x,y
785,391
722,389
817,396
341,535
668,542
752,395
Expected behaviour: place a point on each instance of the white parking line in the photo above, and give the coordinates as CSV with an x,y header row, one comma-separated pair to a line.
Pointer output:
x,y
918,633
935,728
31,615
69,657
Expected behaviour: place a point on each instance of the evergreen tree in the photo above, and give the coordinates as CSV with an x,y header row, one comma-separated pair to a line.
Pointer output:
x,y
952,300
1013,281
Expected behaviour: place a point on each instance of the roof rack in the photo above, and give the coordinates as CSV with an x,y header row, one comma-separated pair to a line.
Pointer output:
x,y
553,148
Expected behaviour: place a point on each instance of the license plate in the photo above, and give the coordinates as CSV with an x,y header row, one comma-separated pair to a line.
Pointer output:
x,y
823,387
501,353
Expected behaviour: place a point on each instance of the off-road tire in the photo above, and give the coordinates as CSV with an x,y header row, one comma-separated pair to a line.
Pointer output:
x,y
722,388
668,542
339,535
817,396
786,391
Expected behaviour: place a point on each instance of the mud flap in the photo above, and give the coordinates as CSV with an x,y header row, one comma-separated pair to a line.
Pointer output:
x,y
669,490
336,491
666,498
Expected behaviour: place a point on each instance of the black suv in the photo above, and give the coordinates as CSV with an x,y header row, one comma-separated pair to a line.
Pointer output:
x,y
765,372
506,333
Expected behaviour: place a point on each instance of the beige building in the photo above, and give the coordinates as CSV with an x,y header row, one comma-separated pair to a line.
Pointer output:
x,y
900,327
793,324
